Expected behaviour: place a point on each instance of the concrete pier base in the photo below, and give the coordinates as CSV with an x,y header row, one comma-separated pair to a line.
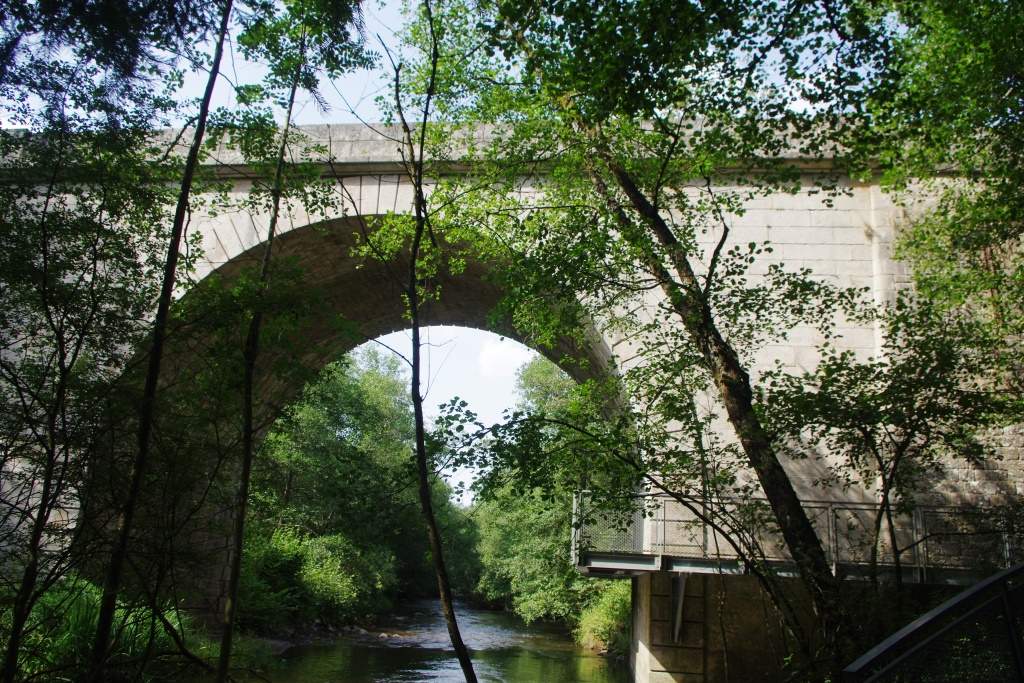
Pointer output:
x,y
706,628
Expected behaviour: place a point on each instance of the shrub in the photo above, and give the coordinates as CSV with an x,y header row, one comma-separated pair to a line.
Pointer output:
x,y
290,578
605,622
346,582
62,626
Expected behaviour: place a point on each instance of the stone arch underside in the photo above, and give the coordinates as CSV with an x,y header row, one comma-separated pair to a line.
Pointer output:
x,y
359,299
188,499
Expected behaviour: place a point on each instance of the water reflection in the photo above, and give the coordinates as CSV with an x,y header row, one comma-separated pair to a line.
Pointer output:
x,y
413,646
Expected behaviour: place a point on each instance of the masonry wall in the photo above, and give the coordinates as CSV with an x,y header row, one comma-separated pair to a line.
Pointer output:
x,y
724,630
846,241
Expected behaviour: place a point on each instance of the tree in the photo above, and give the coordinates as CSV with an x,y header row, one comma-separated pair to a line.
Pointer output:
x,y
898,418
127,41
419,239
80,209
296,44
115,569
674,133
524,532
641,176
336,469
339,457
949,107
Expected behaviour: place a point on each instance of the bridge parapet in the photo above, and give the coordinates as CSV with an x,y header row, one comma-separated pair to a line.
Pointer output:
x,y
725,535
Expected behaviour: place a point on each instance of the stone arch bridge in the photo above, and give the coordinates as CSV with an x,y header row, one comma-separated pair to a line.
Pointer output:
x,y
668,554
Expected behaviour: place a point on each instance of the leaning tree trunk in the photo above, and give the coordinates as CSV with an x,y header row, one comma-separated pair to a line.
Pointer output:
x,y
414,157
688,301
422,470
426,504
112,582
252,346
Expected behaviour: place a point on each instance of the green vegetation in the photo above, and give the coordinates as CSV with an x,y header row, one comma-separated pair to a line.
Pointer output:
x,y
524,531
290,580
524,554
951,106
657,144
61,627
605,623
647,129
335,534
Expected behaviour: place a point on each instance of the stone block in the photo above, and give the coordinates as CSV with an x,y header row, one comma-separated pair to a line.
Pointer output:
x,y
661,585
800,218
851,252
849,235
661,609
672,677
854,267
760,217
858,281
691,634
742,234
678,659
830,218
821,268
786,235
804,252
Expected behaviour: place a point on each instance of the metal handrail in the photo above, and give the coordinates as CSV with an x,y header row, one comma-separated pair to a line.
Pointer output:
x,y
917,535
806,502
902,645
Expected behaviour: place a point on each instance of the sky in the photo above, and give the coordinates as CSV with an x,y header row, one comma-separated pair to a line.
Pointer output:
x,y
350,99
477,366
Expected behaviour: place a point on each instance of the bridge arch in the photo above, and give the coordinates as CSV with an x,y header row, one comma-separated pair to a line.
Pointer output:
x,y
347,300
359,299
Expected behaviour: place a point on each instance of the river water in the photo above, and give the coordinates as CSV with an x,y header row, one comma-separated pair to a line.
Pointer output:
x,y
412,645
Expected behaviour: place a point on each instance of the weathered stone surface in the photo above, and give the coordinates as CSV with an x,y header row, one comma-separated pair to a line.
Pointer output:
x,y
848,243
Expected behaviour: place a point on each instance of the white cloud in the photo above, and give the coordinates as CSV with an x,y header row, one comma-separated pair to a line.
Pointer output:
x,y
500,358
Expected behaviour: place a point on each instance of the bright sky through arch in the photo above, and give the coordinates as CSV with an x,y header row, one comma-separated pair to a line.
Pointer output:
x,y
477,366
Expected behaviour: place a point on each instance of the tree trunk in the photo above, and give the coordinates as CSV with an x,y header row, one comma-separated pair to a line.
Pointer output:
x,y
897,564
252,344
427,508
875,538
422,470
415,168
733,386
112,582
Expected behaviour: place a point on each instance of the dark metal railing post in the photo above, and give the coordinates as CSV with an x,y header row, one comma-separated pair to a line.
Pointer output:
x,y
577,528
916,536
833,537
926,548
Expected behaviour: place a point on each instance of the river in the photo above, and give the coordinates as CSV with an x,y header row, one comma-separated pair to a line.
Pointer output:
x,y
412,645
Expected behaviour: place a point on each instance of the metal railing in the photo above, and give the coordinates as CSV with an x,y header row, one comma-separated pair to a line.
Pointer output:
x,y
932,541
974,637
